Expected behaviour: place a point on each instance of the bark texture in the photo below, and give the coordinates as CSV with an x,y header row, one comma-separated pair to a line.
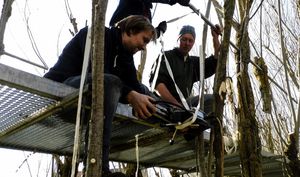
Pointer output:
x,y
292,154
249,141
220,77
94,159
261,74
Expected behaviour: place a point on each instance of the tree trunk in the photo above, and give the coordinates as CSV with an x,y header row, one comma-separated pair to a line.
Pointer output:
x,y
131,170
249,141
285,59
5,14
220,77
261,74
94,159
292,154
205,26
201,154
297,123
298,6
64,168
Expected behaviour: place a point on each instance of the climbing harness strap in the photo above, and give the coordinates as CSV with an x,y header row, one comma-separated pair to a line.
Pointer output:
x,y
190,121
183,100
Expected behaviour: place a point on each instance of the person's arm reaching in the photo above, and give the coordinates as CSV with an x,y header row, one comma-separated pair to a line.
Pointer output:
x,y
172,2
165,94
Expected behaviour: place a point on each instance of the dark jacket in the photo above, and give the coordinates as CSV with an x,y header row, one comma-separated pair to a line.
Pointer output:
x,y
135,7
117,61
185,72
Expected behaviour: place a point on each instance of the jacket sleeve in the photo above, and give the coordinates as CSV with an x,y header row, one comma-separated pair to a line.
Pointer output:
x,y
210,65
127,73
70,61
170,2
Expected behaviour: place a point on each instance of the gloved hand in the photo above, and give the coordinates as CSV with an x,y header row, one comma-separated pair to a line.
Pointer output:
x,y
183,2
161,28
216,31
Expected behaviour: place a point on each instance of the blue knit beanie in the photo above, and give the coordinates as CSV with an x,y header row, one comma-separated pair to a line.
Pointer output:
x,y
187,29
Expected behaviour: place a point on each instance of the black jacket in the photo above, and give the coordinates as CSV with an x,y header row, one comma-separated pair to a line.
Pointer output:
x,y
185,73
117,61
135,7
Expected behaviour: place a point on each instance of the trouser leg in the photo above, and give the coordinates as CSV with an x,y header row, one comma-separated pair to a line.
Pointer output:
x,y
208,102
112,92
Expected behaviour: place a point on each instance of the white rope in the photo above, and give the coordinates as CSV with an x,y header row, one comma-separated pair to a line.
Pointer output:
x,y
190,121
156,74
137,155
183,100
76,148
201,81
153,84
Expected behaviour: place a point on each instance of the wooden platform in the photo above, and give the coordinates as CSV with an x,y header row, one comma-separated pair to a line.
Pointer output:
x,y
36,115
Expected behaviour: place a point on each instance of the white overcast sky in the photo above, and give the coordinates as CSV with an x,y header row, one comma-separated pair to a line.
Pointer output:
x,y
49,25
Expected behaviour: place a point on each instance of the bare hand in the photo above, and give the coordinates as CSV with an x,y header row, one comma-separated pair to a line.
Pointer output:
x,y
142,104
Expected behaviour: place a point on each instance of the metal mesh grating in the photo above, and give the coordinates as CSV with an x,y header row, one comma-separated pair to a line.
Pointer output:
x,y
50,135
16,105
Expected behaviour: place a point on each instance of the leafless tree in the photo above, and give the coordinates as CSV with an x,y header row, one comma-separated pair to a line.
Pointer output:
x,y
94,158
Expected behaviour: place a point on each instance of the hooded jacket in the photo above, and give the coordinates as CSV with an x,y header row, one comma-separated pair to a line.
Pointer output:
x,y
117,61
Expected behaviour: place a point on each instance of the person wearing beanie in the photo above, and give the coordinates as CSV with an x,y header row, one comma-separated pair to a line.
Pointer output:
x,y
187,29
185,69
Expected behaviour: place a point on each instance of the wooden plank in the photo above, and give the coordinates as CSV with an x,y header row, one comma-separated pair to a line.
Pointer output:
x,y
34,84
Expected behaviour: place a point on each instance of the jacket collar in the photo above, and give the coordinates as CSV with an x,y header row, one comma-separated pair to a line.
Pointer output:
x,y
117,40
177,52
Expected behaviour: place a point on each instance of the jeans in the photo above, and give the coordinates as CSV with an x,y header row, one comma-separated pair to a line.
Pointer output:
x,y
208,102
112,93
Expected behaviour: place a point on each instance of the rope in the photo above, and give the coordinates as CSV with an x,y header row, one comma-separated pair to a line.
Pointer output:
x,y
186,106
190,121
156,74
137,154
193,118
76,148
183,100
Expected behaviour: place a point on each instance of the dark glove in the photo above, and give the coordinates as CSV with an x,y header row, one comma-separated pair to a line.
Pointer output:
x,y
161,28
183,2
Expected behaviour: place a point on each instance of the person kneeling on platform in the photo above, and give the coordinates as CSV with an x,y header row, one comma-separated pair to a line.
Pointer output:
x,y
122,41
185,70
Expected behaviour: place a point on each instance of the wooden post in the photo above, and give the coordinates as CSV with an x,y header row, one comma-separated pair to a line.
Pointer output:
x,y
220,78
94,159
249,141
